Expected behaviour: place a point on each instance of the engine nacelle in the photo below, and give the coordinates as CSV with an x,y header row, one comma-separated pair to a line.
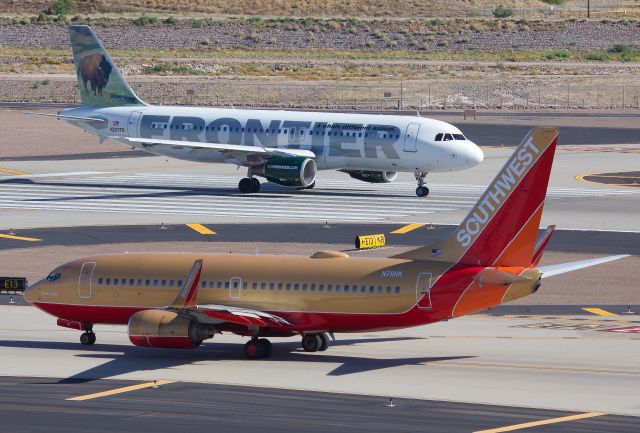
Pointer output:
x,y
293,171
166,329
373,176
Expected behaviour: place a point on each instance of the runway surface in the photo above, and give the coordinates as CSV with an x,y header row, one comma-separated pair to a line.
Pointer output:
x,y
220,408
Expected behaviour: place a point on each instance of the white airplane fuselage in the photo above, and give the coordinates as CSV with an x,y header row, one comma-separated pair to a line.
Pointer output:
x,y
348,141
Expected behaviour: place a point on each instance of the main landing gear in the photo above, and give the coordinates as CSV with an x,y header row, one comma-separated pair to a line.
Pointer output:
x,y
258,348
315,342
421,190
249,185
88,337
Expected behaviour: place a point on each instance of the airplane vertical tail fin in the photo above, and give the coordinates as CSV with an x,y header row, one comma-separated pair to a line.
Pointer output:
x,y
99,80
501,229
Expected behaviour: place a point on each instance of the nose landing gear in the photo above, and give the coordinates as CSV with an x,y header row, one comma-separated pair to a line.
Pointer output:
x,y
421,190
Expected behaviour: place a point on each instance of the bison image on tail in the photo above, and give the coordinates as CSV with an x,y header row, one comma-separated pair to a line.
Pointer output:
x,y
95,69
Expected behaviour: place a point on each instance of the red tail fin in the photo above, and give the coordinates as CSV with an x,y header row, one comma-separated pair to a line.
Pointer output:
x,y
501,229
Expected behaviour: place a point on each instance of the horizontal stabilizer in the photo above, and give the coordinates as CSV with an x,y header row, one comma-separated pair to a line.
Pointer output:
x,y
562,268
496,277
62,116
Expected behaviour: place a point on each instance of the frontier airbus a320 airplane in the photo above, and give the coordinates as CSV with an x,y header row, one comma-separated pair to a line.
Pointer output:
x,y
285,147
177,300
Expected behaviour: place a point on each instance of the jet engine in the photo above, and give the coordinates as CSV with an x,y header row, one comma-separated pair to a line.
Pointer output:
x,y
373,176
293,171
166,329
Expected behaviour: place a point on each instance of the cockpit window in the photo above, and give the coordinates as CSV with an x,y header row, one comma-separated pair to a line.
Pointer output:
x,y
448,137
439,136
53,276
459,137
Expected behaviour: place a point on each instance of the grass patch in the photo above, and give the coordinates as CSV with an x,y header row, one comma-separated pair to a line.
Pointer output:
x,y
171,69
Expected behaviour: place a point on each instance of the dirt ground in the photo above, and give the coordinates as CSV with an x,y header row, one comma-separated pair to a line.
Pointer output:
x,y
611,283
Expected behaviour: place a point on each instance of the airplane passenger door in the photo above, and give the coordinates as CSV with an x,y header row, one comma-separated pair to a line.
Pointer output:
x,y
132,127
411,136
423,290
235,287
84,280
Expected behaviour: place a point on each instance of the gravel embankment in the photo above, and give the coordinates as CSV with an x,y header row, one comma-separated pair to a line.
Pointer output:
x,y
373,36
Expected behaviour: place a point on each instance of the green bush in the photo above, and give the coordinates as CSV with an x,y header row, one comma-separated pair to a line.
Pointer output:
x,y
144,20
600,57
555,2
63,7
627,52
557,55
171,20
502,11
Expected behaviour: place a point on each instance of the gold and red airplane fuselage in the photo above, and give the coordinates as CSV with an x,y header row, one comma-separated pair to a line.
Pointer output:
x,y
328,291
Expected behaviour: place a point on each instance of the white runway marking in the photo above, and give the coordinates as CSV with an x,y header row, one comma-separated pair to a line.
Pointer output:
x,y
175,194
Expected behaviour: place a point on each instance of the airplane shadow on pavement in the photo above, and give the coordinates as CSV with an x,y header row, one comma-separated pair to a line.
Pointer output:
x,y
173,191
129,359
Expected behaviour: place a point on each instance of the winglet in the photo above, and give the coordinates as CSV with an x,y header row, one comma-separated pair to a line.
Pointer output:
x,y
541,245
189,291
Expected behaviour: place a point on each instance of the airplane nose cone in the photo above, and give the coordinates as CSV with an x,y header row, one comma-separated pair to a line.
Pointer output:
x,y
31,291
475,155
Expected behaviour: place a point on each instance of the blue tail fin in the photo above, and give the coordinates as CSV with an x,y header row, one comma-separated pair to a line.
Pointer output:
x,y
99,80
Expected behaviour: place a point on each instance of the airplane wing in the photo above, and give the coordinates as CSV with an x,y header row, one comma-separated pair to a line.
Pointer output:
x,y
217,314
236,151
185,303
561,268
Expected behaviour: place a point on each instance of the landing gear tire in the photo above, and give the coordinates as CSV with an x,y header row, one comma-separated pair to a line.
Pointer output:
x,y
311,186
87,338
312,342
249,185
325,342
258,348
422,191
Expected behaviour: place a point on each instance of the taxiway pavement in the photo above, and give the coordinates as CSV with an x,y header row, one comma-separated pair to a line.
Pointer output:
x,y
548,363
206,408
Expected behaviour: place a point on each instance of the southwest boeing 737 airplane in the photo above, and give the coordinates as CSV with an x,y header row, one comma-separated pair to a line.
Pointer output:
x,y
178,300
285,147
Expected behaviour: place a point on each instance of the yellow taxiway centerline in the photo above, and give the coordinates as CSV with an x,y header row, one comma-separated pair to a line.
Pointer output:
x,y
543,422
406,229
120,390
19,238
201,229
6,170
599,312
